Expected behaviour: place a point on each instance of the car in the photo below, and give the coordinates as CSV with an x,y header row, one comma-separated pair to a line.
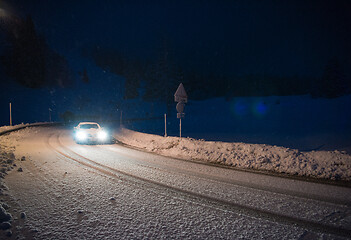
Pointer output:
x,y
90,132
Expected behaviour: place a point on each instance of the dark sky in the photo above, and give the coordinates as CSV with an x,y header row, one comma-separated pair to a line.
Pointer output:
x,y
236,37
226,37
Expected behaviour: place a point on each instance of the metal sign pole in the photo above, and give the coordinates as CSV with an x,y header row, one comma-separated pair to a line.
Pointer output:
x,y
165,125
10,115
181,97
180,128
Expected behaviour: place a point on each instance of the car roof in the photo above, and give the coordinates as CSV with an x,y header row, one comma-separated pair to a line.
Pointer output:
x,y
92,123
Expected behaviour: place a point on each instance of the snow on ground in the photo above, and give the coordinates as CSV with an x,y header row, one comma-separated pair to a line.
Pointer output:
x,y
7,128
9,162
332,165
63,200
64,196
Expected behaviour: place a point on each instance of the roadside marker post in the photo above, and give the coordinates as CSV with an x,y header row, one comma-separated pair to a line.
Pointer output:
x,y
50,114
10,114
165,125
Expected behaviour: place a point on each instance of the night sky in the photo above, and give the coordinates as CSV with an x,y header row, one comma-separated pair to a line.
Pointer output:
x,y
285,37
226,38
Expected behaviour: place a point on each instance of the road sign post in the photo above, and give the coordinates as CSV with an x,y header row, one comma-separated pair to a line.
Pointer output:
x,y
180,127
181,97
165,125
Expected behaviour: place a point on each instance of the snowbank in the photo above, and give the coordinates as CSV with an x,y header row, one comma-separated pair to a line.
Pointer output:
x,y
334,165
297,122
4,129
7,129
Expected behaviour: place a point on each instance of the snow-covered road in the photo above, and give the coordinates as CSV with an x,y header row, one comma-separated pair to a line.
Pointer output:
x,y
111,191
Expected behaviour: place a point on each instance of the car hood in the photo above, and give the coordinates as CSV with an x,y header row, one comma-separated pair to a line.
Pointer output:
x,y
91,130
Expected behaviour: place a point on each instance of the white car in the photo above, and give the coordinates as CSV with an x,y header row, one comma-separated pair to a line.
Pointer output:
x,y
90,132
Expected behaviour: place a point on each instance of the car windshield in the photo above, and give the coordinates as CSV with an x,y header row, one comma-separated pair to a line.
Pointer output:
x,y
89,126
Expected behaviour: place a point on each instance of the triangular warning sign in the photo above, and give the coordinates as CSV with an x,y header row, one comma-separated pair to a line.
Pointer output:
x,y
180,95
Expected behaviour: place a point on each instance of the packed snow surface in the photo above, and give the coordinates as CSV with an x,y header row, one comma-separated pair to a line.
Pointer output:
x,y
5,129
333,165
52,198
8,128
47,191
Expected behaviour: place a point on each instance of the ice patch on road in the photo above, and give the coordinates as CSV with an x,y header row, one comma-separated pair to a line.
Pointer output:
x,y
333,165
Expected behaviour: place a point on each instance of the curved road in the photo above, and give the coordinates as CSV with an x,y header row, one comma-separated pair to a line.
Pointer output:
x,y
111,191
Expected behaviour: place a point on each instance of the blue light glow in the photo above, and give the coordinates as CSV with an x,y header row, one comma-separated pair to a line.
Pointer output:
x,y
241,108
260,108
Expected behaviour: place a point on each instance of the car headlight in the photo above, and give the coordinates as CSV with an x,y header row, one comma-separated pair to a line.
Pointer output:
x,y
81,135
102,135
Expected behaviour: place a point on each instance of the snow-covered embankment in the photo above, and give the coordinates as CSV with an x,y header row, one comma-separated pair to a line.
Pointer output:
x,y
8,162
332,165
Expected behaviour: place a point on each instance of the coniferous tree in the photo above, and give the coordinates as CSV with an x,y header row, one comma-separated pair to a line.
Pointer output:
x,y
132,82
24,59
28,59
333,82
162,79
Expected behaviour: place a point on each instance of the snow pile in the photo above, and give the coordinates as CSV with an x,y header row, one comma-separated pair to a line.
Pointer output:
x,y
8,162
8,128
332,165
7,159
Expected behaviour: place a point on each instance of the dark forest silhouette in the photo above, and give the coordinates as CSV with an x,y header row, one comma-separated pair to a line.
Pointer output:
x,y
28,59
162,76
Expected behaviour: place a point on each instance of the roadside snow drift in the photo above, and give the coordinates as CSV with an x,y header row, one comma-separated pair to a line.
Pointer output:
x,y
333,165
